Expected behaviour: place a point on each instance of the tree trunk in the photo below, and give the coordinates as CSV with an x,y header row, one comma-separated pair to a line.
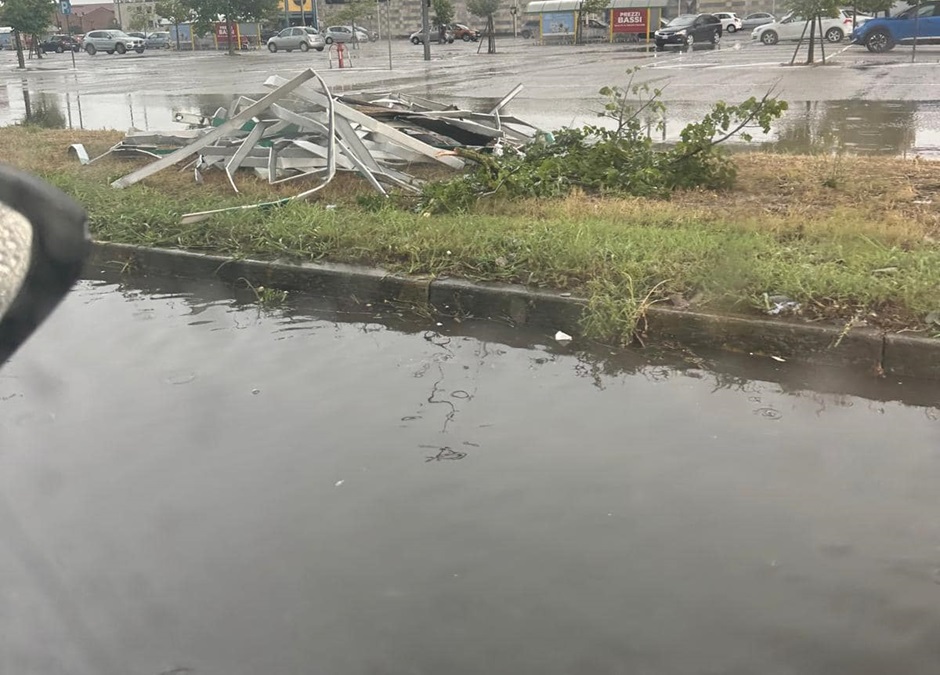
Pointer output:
x,y
19,49
231,36
812,40
490,36
177,36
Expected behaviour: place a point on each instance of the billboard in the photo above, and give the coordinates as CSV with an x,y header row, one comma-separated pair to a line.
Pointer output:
x,y
629,20
557,23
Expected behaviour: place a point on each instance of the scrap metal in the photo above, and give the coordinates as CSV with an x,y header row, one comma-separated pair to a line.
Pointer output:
x,y
299,129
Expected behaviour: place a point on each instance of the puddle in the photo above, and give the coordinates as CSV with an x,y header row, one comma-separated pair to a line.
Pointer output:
x,y
891,128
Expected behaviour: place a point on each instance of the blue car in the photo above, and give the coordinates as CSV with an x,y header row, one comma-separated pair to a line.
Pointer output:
x,y
883,34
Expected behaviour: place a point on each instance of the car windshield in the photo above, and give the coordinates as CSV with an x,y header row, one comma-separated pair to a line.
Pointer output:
x,y
684,20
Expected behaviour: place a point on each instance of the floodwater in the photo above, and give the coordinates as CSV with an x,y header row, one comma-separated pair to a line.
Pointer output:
x,y
191,484
902,128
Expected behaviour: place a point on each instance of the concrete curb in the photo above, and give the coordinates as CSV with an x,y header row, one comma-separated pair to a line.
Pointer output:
x,y
862,348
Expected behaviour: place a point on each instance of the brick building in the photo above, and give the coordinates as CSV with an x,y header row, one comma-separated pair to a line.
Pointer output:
x,y
84,18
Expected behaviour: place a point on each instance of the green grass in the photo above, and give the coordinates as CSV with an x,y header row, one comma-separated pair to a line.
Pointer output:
x,y
850,260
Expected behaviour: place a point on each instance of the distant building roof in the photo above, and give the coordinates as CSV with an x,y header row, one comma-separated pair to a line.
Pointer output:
x,y
79,10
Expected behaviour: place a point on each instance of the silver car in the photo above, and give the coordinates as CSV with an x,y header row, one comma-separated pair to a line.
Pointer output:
x,y
303,38
345,34
110,41
159,40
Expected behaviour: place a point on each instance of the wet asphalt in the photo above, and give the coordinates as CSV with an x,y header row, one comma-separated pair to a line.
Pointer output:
x,y
859,102
191,484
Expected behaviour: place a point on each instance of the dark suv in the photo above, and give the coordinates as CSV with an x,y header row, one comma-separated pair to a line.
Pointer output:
x,y
59,44
688,30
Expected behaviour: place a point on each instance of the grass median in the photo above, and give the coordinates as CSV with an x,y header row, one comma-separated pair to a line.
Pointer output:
x,y
853,241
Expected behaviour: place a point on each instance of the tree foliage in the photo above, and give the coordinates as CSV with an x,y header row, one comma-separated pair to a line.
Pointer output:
x,y
588,7
353,12
443,12
205,13
809,9
486,9
26,17
618,158
873,6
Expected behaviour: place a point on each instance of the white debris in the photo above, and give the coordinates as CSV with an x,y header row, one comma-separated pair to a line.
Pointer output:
x,y
561,336
339,482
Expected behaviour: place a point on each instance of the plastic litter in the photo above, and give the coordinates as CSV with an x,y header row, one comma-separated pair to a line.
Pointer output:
x,y
561,336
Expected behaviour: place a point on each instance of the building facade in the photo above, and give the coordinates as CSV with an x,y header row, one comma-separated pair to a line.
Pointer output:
x,y
84,18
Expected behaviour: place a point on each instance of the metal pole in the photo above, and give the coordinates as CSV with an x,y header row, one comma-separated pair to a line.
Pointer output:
x,y
69,26
426,29
822,39
916,30
286,14
388,31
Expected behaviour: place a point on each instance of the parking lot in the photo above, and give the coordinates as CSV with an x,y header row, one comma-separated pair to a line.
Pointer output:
x,y
561,81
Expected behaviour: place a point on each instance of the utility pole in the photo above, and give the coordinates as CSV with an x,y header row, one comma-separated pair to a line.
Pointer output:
x,y
426,29
388,31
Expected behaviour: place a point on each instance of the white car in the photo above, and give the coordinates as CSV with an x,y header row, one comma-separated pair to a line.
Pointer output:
x,y
730,22
110,41
303,38
791,27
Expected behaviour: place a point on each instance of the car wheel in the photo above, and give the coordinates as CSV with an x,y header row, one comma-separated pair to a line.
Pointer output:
x,y
272,47
834,35
466,38
90,49
415,41
109,51
288,50
879,41
329,40
451,41
690,43
769,37
120,48
304,47
59,49
139,50
526,34
319,49
731,28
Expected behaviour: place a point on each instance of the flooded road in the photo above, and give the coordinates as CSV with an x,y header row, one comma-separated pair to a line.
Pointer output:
x,y
187,482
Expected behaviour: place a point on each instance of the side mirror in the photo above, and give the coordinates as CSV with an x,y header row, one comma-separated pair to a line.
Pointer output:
x,y
44,241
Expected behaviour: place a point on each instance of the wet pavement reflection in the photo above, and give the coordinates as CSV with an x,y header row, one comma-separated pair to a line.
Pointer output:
x,y
903,128
189,481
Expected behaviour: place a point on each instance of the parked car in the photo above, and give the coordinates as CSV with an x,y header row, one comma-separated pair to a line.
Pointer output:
x,y
345,34
110,41
884,33
530,29
730,22
791,27
752,21
303,38
687,30
59,44
465,33
158,40
434,35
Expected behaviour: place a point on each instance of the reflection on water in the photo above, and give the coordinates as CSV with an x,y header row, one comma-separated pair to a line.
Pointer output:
x,y
905,128
191,484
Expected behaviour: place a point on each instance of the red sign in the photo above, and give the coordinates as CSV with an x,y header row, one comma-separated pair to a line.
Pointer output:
x,y
629,20
221,32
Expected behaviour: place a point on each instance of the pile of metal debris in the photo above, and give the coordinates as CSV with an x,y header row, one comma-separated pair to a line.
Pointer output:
x,y
303,131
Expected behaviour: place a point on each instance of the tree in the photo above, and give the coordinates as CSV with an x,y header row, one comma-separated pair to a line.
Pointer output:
x,y
873,6
26,17
207,12
486,9
176,12
140,19
588,7
352,13
811,11
443,12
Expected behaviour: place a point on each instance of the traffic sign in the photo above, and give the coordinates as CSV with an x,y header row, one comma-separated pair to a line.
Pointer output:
x,y
65,7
